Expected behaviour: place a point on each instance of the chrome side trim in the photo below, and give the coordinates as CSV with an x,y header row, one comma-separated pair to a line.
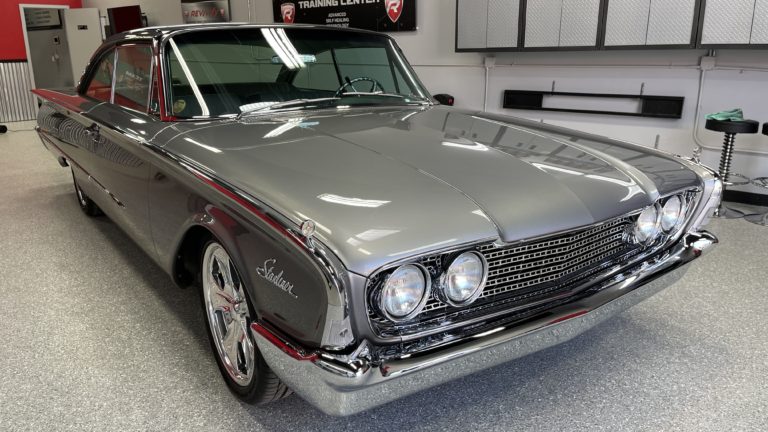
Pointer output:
x,y
340,385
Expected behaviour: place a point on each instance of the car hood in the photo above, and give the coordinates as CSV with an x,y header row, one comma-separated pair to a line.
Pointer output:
x,y
386,184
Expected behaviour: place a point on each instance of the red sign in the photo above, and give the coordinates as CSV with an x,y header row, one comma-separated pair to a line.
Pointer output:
x,y
288,10
394,9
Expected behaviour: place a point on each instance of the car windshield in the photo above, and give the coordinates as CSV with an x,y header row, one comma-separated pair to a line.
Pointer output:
x,y
229,72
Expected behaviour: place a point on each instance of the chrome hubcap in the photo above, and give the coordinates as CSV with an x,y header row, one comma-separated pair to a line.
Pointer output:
x,y
228,314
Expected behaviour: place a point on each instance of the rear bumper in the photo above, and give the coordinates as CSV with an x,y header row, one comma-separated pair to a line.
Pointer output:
x,y
347,387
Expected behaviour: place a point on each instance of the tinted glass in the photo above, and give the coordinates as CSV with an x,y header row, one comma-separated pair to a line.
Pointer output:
x,y
100,86
226,72
133,77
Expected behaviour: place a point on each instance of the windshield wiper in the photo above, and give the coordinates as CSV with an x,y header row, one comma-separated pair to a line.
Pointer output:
x,y
268,106
414,99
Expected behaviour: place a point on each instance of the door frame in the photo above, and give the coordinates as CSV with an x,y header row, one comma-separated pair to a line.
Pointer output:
x,y
23,6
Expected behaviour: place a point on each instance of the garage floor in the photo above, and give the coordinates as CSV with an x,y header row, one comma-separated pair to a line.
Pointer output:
x,y
95,337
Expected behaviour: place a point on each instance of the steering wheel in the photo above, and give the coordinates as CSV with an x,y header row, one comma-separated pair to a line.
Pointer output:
x,y
351,83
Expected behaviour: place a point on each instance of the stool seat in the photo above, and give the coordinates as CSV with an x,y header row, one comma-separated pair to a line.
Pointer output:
x,y
734,127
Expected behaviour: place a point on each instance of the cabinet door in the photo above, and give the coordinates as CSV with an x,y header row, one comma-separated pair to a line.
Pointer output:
x,y
578,23
503,23
627,22
727,22
542,23
471,25
760,23
671,22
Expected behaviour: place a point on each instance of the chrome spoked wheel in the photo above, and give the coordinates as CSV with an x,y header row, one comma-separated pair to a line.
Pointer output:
x,y
228,314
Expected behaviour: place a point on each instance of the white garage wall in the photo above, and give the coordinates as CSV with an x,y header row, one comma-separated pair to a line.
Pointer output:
x,y
740,80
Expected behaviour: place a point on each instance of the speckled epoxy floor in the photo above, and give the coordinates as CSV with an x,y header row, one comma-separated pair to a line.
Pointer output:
x,y
93,336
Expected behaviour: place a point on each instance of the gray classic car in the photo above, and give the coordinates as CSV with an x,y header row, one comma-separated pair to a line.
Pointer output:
x,y
353,240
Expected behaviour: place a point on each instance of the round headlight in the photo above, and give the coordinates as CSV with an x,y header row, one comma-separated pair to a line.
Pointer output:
x,y
647,225
405,292
671,213
464,280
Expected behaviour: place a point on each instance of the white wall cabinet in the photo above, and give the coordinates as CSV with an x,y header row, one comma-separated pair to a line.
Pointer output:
x,y
626,23
649,22
542,23
472,24
561,23
727,22
503,23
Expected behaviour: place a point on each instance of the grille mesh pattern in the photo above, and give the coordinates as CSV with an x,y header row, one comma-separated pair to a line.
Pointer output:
x,y
525,272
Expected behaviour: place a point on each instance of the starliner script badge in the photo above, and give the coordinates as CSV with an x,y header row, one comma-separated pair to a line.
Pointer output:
x,y
276,279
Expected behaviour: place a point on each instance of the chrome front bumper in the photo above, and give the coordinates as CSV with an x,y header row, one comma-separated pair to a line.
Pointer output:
x,y
344,388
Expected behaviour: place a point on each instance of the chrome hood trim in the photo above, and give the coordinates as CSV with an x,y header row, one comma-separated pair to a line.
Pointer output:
x,y
386,184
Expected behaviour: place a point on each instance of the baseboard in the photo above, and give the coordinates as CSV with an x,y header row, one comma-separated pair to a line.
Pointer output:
x,y
746,198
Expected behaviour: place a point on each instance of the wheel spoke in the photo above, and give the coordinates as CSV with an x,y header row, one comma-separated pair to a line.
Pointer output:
x,y
231,341
220,301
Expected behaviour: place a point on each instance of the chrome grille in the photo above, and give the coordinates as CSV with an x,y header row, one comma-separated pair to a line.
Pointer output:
x,y
525,272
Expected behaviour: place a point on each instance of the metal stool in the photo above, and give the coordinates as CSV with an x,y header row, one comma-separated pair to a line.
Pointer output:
x,y
730,129
761,218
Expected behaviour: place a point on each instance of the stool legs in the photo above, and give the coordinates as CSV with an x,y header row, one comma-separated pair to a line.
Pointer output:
x,y
726,156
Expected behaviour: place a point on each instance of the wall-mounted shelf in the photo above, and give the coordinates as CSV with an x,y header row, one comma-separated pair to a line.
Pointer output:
x,y
670,107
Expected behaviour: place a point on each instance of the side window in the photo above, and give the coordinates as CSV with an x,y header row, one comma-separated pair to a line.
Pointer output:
x,y
100,87
133,76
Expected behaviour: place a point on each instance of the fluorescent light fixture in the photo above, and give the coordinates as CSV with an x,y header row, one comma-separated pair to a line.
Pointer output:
x,y
283,48
283,128
199,144
354,202
289,47
546,167
469,145
481,214
306,58
429,246
375,234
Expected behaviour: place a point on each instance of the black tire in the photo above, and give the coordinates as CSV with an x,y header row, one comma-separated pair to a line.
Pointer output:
x,y
264,386
86,204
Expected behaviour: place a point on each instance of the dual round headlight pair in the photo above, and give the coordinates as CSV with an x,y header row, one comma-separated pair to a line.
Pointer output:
x,y
406,290
659,218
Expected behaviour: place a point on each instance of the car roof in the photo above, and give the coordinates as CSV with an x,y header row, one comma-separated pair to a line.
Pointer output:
x,y
162,31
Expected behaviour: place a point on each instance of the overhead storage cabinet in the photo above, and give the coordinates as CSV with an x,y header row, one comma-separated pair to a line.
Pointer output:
x,y
727,22
671,22
561,23
627,22
503,23
578,23
649,22
760,23
471,24
542,23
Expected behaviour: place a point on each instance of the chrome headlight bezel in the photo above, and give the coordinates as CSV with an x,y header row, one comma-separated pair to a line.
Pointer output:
x,y
443,285
419,306
682,205
650,236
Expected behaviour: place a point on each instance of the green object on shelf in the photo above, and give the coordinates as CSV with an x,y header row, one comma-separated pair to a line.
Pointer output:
x,y
735,114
